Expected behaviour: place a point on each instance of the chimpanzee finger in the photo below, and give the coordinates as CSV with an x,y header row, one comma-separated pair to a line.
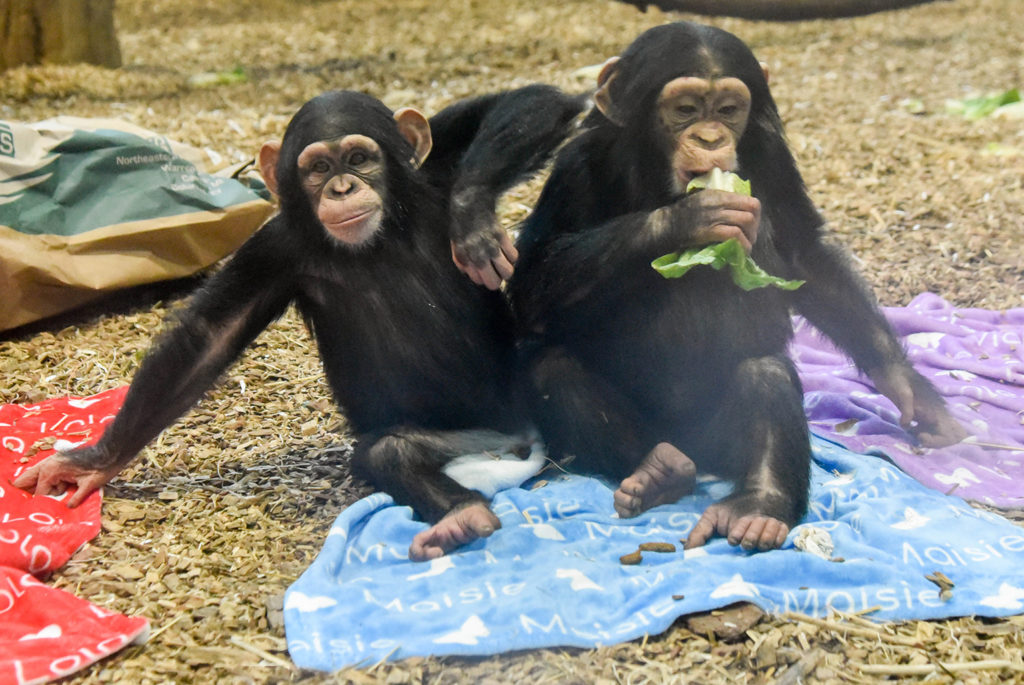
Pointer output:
x,y
28,479
626,504
719,233
489,277
78,496
47,487
503,267
50,477
746,532
763,533
941,433
86,486
489,273
700,534
935,440
712,521
744,221
422,549
464,260
773,534
508,248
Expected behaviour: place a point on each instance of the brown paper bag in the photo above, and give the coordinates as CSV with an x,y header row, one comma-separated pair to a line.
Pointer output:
x,y
90,206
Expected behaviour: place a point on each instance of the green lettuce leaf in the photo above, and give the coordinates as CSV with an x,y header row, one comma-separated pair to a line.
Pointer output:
x,y
745,273
980,107
716,179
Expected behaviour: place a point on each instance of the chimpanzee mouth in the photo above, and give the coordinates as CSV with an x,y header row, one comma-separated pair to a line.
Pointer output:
x,y
352,220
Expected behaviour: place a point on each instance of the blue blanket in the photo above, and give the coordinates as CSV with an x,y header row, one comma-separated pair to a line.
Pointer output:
x,y
552,576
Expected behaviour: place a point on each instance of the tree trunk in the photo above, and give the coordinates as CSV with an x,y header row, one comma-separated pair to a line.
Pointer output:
x,y
58,32
779,10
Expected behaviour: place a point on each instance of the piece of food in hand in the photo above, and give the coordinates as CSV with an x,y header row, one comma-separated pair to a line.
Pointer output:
x,y
716,179
745,273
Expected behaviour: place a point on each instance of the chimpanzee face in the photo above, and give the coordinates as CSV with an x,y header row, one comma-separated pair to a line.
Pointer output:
x,y
344,181
338,153
702,121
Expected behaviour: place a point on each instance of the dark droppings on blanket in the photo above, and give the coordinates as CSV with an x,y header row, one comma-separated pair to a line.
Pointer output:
x,y
636,557
631,559
663,547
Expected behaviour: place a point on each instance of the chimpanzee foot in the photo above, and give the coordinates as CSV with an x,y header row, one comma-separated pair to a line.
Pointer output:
x,y
750,530
664,476
458,527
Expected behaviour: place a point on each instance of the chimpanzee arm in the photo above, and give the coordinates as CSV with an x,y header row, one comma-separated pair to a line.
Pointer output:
x,y
484,146
490,143
565,272
839,303
571,269
219,322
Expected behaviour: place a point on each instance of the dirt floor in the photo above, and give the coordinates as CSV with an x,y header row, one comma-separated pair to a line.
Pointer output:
x,y
206,530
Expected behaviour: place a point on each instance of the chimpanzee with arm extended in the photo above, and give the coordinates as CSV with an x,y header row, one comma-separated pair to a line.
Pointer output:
x,y
418,357
648,380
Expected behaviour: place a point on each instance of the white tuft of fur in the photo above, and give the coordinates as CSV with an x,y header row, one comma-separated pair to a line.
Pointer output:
x,y
488,472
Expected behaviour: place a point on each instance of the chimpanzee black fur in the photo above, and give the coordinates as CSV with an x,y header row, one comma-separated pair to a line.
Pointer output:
x,y
635,374
420,359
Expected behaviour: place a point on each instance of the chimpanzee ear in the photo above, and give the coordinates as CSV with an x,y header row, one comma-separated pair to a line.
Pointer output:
x,y
415,128
269,154
603,97
766,72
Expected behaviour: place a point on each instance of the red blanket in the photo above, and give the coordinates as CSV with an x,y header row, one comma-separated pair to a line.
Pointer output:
x,y
46,633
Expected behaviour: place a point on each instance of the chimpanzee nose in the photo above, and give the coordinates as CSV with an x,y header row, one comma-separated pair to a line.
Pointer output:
x,y
709,139
340,186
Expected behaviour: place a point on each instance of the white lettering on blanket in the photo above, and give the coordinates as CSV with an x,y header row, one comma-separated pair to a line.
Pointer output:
x,y
471,595
948,555
810,601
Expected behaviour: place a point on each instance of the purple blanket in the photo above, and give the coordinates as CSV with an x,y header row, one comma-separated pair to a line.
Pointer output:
x,y
974,357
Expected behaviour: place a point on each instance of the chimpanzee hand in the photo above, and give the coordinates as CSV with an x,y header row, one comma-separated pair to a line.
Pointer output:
x,y
87,468
923,413
480,247
487,258
714,216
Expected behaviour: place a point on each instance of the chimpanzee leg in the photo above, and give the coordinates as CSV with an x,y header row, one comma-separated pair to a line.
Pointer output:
x,y
760,437
408,464
582,414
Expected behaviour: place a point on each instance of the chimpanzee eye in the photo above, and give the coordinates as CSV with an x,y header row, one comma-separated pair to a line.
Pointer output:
x,y
358,158
320,166
686,110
